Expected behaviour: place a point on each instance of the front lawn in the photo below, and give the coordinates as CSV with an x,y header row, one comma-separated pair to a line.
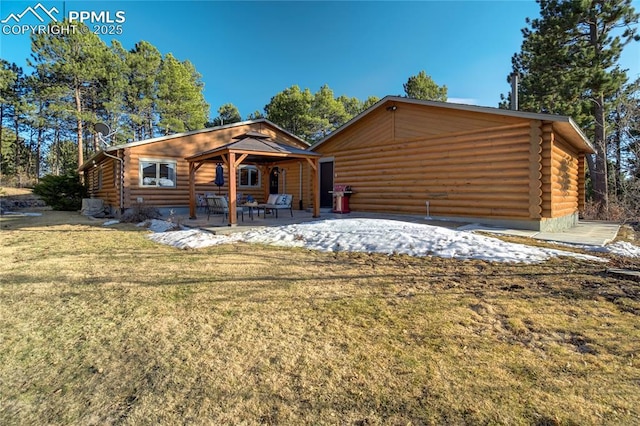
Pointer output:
x,y
100,325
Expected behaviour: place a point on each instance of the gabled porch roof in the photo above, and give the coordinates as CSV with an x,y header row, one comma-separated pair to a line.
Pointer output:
x,y
258,150
252,148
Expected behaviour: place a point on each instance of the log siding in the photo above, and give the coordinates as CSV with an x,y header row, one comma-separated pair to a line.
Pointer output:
x,y
470,173
175,149
565,182
465,161
109,187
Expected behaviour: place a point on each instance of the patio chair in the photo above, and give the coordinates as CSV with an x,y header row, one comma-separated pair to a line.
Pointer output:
x,y
201,202
277,202
218,205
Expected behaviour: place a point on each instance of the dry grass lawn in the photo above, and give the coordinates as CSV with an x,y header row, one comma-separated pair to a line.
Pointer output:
x,y
102,326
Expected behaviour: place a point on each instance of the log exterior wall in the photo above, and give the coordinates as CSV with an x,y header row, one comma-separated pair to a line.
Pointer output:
x,y
565,181
176,149
103,181
295,173
465,164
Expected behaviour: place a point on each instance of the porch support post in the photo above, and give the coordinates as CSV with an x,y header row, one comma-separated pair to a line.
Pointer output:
x,y
192,191
193,168
315,184
233,220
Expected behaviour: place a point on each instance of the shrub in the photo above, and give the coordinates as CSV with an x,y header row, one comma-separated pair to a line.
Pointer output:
x,y
61,192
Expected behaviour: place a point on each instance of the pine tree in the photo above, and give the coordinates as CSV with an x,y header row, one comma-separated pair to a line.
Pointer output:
x,y
313,116
291,109
15,113
422,86
227,114
255,115
181,104
568,65
328,113
7,80
143,65
112,95
75,61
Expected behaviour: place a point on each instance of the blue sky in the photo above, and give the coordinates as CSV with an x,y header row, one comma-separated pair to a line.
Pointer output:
x,y
249,51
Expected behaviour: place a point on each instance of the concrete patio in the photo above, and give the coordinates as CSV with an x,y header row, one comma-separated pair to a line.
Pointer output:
x,y
593,233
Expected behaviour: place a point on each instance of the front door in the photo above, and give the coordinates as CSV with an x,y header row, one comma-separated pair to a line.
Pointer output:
x,y
273,181
326,184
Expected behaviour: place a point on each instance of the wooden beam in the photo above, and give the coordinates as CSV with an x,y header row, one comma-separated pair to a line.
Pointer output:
x,y
192,190
233,219
315,165
239,160
313,162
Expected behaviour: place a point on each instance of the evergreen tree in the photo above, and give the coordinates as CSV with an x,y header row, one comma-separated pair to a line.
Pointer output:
x,y
75,61
78,81
227,114
112,96
422,86
291,109
352,106
313,116
255,115
567,65
16,110
181,104
143,65
371,100
328,113
7,80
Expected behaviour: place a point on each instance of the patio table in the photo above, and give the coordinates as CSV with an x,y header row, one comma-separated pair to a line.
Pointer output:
x,y
250,206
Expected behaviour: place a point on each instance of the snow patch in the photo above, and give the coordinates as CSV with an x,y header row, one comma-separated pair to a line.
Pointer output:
x,y
623,248
372,236
21,213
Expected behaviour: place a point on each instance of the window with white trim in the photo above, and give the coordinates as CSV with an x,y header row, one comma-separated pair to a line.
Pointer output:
x,y
158,173
248,177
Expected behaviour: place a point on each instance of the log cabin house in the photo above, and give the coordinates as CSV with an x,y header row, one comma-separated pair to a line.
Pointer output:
x,y
156,171
404,156
461,162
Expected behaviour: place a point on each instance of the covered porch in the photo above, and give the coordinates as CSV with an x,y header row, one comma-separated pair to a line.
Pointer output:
x,y
256,149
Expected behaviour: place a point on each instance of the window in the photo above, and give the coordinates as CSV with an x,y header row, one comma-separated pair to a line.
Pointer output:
x,y
158,173
249,177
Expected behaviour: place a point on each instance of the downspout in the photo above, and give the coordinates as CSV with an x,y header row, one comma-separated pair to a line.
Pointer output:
x,y
121,160
283,173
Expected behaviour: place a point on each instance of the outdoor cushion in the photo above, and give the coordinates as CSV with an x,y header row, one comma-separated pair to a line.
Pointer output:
x,y
276,202
283,200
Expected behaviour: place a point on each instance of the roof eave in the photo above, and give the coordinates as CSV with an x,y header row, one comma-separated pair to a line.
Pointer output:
x,y
204,156
97,156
